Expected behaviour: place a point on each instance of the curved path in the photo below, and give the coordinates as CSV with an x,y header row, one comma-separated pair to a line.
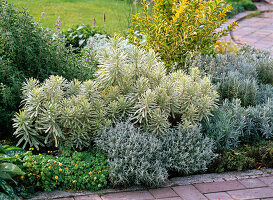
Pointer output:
x,y
255,31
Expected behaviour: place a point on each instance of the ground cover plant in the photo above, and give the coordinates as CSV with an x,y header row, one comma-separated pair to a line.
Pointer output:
x,y
68,170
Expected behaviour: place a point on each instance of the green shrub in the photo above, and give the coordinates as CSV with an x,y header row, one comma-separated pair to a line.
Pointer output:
x,y
134,157
59,113
244,157
187,151
27,50
68,170
226,125
233,160
175,29
78,35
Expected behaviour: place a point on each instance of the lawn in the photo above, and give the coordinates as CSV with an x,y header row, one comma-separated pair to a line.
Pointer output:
x,y
117,12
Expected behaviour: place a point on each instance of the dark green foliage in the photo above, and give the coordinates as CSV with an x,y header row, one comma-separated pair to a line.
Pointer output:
x,y
28,50
226,125
233,160
78,35
244,157
68,170
8,171
187,151
134,157
240,6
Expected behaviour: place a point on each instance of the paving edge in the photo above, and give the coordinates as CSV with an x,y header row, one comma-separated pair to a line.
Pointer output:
x,y
246,15
176,181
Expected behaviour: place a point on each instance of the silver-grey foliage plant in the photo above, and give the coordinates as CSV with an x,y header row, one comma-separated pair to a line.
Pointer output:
x,y
131,84
58,112
187,151
134,157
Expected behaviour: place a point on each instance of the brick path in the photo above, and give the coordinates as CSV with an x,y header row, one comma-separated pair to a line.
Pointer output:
x,y
242,189
256,31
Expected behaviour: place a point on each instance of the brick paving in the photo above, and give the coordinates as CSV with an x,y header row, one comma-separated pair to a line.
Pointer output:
x,y
260,188
256,31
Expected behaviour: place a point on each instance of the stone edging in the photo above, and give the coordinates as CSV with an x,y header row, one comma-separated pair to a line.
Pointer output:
x,y
245,16
177,181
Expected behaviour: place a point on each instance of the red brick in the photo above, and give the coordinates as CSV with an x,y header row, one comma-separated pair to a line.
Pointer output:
x,y
267,180
252,183
189,192
88,197
219,186
264,192
143,195
218,195
163,193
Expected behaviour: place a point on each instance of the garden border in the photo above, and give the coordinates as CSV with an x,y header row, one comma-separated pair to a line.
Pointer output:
x,y
176,181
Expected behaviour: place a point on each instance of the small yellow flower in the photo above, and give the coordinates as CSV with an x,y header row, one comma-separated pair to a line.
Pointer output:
x,y
60,164
22,177
90,173
56,177
74,181
16,156
95,178
40,154
76,165
60,169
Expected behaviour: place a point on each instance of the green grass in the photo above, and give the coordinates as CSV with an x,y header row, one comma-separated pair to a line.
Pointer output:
x,y
74,12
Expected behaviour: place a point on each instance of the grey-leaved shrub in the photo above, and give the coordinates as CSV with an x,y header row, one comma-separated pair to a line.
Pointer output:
x,y
134,157
187,151
238,75
259,121
226,125
58,112
135,85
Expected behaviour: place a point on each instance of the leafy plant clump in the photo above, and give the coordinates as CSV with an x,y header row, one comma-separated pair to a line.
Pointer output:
x,y
137,157
67,171
131,84
134,157
28,50
9,170
233,124
226,126
59,113
77,36
135,86
241,75
244,157
176,29
187,151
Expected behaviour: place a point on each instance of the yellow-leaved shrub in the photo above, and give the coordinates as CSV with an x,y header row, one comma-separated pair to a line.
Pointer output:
x,y
176,29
